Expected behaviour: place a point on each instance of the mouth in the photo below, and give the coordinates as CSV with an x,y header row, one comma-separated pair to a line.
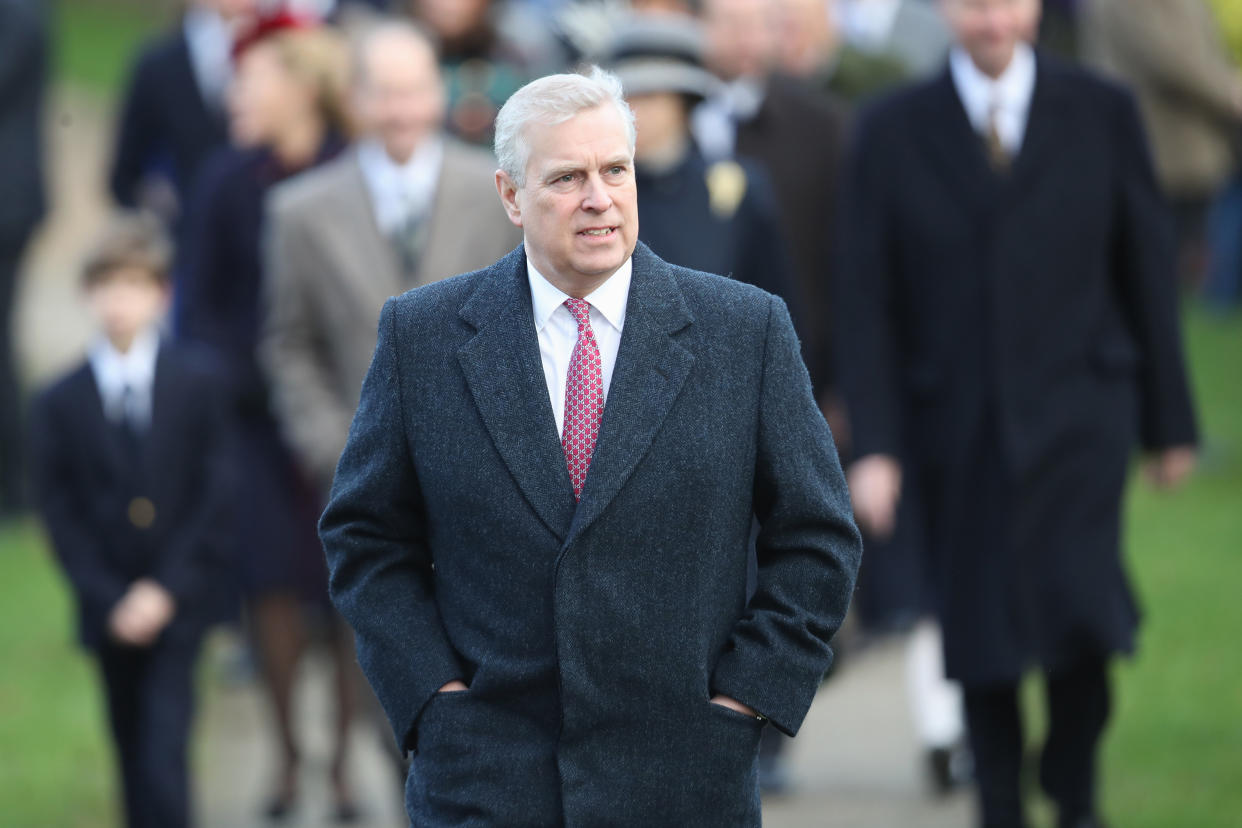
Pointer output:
x,y
598,233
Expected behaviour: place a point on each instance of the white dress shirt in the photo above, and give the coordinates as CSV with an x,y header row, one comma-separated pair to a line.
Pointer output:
x,y
714,122
210,41
125,380
558,330
401,193
1009,96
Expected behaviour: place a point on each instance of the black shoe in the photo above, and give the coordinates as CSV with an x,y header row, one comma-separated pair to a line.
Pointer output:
x,y
279,808
949,768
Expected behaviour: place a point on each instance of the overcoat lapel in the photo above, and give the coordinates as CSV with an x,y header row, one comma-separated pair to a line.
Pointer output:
x,y
651,368
1046,115
954,146
503,369
959,150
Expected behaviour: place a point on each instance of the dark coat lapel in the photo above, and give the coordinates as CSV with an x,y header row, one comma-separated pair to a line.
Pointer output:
x,y
164,399
1042,123
954,146
651,368
959,150
86,392
503,369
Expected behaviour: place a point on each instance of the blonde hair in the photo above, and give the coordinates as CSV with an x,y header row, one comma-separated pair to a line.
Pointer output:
x,y
319,58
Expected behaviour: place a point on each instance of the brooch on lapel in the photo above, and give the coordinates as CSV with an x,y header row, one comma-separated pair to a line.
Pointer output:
x,y
726,186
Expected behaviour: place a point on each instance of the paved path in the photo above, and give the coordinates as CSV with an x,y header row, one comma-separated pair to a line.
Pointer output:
x,y
854,766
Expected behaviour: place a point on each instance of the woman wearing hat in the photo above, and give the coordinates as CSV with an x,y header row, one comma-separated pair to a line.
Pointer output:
x,y
721,217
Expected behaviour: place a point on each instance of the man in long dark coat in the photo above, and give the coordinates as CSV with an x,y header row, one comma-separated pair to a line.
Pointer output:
x,y
541,523
1009,333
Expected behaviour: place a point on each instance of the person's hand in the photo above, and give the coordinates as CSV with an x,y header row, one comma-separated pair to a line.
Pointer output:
x,y
142,614
875,488
1168,468
734,705
453,686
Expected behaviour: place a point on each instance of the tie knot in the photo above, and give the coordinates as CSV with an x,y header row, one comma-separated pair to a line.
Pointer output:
x,y
581,309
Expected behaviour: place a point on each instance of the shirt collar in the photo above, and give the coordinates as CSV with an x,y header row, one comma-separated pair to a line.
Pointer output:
x,y
979,93
610,298
135,367
405,188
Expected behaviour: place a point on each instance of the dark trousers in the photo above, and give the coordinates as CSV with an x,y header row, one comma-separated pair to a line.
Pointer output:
x,y
10,422
1078,709
150,703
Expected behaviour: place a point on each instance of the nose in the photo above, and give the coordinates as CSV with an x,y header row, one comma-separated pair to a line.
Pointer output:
x,y
595,197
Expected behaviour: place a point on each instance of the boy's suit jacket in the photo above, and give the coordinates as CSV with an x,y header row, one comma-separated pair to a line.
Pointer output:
x,y
591,635
117,512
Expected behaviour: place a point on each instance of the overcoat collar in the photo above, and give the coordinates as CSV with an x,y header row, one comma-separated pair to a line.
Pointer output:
x,y
959,150
503,369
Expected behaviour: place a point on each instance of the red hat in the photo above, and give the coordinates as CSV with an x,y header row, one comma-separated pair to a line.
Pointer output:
x,y
270,24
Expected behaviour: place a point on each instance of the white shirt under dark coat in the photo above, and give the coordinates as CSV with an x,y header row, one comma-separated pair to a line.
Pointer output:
x,y
558,329
401,192
125,380
1009,95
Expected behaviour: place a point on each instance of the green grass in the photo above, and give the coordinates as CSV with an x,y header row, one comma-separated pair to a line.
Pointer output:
x,y
55,761
1174,755
95,41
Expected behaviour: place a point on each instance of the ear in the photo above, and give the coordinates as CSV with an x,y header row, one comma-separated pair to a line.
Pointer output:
x,y
508,191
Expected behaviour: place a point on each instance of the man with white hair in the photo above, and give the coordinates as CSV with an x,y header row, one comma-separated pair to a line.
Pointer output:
x,y
540,526
406,206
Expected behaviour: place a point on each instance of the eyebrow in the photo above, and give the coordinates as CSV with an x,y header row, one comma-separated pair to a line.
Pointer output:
x,y
570,167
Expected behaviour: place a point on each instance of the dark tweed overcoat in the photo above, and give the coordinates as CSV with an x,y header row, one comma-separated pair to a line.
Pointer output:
x,y
591,635
1013,337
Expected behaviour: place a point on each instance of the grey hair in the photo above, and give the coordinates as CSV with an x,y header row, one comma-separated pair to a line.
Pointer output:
x,y
554,99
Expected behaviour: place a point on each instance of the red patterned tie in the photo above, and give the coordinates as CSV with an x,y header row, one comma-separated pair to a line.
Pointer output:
x,y
584,398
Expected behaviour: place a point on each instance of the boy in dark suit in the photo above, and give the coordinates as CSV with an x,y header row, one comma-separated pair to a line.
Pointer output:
x,y
126,460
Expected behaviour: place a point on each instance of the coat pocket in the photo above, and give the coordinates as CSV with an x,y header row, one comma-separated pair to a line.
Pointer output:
x,y
479,763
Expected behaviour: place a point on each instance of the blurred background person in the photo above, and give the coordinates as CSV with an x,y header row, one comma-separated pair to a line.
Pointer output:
x,y
1189,91
481,57
894,594
911,31
131,479
174,111
1058,28
405,206
23,68
796,134
1009,331
287,114
813,48
719,218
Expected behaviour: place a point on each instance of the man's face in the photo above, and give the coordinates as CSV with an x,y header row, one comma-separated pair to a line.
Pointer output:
x,y
578,207
400,99
990,29
741,37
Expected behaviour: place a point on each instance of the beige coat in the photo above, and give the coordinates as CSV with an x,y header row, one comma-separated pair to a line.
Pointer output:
x,y
329,271
1172,55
